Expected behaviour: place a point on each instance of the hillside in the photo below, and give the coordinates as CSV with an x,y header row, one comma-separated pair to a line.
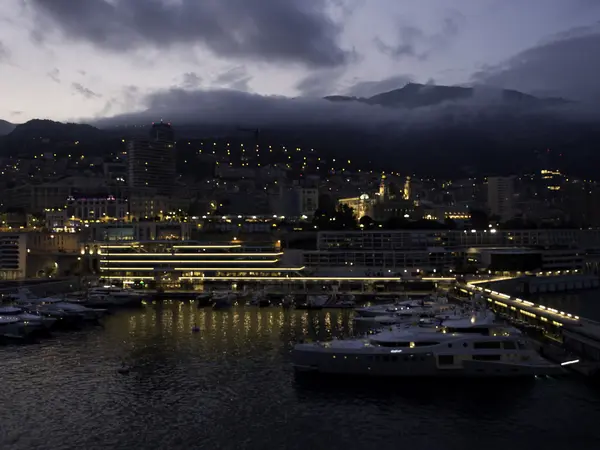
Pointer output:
x,y
414,95
498,132
6,127
49,136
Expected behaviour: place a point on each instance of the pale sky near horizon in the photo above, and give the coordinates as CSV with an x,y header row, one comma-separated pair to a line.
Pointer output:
x,y
62,59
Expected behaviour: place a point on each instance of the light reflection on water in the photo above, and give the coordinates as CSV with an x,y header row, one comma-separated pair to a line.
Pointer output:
x,y
231,387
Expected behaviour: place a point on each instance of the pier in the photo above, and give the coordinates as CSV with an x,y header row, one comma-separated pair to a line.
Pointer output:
x,y
575,334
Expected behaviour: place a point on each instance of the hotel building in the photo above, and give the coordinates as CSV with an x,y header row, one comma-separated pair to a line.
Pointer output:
x,y
403,251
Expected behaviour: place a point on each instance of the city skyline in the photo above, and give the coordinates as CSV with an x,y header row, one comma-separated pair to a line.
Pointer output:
x,y
79,62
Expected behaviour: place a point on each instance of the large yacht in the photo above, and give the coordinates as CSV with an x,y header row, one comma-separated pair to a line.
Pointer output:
x,y
113,296
34,320
50,306
475,346
390,308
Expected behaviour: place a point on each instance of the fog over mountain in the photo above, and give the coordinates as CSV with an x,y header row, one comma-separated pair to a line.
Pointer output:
x,y
410,106
422,128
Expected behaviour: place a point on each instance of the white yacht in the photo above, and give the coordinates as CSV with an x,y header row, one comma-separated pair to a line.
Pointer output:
x,y
387,308
51,306
474,346
11,326
35,320
113,296
413,315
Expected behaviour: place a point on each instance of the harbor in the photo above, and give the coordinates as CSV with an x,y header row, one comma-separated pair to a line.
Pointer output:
x,y
435,307
202,390
560,331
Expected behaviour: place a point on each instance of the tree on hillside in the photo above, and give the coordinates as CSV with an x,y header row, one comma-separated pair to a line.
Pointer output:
x,y
341,218
366,222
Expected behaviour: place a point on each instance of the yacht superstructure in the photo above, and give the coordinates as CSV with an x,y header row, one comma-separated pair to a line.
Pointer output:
x,y
474,346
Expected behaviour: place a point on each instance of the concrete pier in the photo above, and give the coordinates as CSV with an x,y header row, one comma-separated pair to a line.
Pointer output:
x,y
575,334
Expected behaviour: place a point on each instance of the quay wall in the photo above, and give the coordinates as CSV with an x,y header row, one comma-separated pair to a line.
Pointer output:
x,y
547,284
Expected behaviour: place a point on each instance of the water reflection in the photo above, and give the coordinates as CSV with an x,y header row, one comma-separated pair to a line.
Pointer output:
x,y
231,386
240,322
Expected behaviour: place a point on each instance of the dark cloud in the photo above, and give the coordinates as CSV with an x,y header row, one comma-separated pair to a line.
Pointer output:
x,y
236,107
232,108
4,52
565,65
87,93
416,43
16,113
191,80
54,75
296,31
236,78
367,89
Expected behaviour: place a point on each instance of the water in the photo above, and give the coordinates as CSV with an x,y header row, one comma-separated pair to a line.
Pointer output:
x,y
231,387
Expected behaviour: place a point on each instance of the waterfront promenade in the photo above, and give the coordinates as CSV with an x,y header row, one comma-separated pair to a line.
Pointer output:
x,y
578,334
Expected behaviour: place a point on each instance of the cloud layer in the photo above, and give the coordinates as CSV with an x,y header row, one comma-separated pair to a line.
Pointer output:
x,y
565,65
292,31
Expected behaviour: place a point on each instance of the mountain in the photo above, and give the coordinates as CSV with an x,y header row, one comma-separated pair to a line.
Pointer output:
x,y
48,129
414,95
49,136
6,127
422,129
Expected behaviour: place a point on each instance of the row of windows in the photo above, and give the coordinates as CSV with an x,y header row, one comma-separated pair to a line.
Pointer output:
x,y
442,359
392,358
488,345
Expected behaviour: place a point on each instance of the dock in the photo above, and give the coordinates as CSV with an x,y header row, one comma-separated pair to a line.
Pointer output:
x,y
574,334
360,295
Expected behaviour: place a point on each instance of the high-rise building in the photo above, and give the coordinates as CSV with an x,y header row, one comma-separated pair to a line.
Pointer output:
x,y
501,193
152,161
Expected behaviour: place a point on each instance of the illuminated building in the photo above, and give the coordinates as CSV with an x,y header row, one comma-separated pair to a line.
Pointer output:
x,y
97,207
139,231
426,250
501,193
171,263
553,179
13,255
362,206
406,190
152,161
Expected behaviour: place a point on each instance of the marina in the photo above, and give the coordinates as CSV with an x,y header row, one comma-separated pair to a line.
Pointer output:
x,y
572,333
201,390
419,319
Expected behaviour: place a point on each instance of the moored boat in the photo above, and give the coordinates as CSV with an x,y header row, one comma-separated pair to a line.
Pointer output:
x,y
313,302
462,347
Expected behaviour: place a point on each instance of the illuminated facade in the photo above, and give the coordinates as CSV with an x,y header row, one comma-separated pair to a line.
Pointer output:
x,y
177,263
427,250
152,161
501,191
362,206
13,256
168,261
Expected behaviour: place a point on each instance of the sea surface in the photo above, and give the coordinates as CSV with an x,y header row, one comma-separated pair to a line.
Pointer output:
x,y
231,387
